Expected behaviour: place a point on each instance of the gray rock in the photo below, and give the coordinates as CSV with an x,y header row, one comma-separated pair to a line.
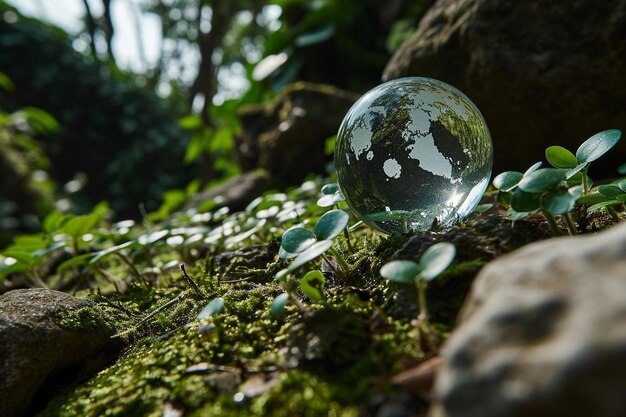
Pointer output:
x,y
542,72
542,333
238,191
43,333
287,136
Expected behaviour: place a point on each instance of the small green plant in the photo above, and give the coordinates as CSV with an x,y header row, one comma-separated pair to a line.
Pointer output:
x,y
557,190
305,245
431,264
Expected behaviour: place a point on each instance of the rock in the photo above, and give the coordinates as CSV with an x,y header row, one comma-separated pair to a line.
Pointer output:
x,y
237,192
287,137
542,72
45,337
543,333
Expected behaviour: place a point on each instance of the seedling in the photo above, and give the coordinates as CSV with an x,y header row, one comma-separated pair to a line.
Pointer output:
x,y
431,264
305,245
592,149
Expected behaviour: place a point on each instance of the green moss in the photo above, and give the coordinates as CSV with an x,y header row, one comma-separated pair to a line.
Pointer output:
x,y
87,318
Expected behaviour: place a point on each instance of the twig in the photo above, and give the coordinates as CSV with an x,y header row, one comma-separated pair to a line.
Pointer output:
x,y
191,282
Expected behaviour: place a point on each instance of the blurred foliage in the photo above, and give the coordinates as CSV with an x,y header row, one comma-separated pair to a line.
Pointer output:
x,y
121,142
26,189
122,137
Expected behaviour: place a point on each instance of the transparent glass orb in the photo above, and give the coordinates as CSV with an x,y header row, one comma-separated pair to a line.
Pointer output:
x,y
411,153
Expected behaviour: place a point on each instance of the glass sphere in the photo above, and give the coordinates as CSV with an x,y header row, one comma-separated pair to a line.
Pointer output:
x,y
411,153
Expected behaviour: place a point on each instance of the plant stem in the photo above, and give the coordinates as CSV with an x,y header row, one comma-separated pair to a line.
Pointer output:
x,y
340,259
420,284
552,222
131,266
347,236
191,282
570,223
585,181
37,279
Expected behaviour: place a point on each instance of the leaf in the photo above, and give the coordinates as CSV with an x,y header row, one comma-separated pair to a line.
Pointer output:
x,y
53,221
534,167
153,237
602,205
283,254
622,184
80,225
279,303
6,83
318,35
541,180
592,198
297,239
25,258
331,224
113,249
79,260
330,189
516,215
312,285
507,180
190,122
213,307
622,169
597,145
311,253
560,157
524,202
436,259
559,203
610,190
331,199
576,170
404,272
281,275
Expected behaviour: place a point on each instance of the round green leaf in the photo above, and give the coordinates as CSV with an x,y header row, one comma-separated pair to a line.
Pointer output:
x,y
558,203
610,190
507,180
213,307
312,285
560,157
404,272
597,145
281,275
297,239
311,253
524,202
279,303
283,254
436,259
622,184
331,188
592,198
331,224
541,180
534,167
331,199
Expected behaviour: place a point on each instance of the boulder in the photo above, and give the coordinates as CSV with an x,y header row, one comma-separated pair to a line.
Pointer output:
x,y
542,72
45,338
542,334
287,137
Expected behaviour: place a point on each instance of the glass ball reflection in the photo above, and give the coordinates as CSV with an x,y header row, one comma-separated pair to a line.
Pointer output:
x,y
413,152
